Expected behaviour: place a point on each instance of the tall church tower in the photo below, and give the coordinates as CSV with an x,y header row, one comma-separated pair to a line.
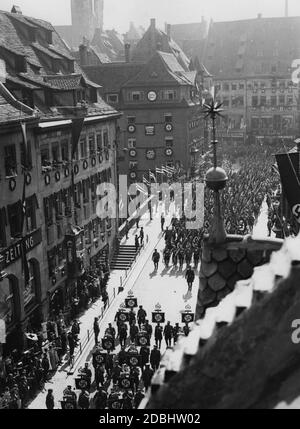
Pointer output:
x,y
87,15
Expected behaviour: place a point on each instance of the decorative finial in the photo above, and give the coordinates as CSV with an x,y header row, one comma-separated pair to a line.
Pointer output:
x,y
216,178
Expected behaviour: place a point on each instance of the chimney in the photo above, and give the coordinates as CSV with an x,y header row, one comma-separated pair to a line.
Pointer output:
x,y
169,32
259,15
16,9
286,13
152,34
127,52
83,54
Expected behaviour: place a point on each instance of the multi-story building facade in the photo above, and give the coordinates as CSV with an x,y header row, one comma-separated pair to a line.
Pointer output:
x,y
252,65
62,232
161,100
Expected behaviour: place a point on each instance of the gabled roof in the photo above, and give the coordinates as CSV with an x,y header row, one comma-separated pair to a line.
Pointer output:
x,y
162,68
154,40
41,74
112,76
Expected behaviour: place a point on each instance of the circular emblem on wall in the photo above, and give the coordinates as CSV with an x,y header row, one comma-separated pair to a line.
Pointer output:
x,y
169,127
100,159
47,179
150,154
133,175
169,152
12,184
67,172
28,179
85,164
57,176
76,169
132,153
93,162
152,96
131,128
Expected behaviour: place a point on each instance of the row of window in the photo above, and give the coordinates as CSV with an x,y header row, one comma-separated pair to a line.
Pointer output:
x,y
274,100
168,118
279,84
276,122
131,143
60,152
57,256
13,163
12,217
167,95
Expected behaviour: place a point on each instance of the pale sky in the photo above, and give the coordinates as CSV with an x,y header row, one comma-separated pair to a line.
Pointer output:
x,y
119,13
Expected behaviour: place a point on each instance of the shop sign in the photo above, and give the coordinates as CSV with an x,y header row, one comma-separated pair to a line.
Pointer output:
x,y
13,253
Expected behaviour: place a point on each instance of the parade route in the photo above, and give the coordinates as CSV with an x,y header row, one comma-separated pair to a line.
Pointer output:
x,y
149,287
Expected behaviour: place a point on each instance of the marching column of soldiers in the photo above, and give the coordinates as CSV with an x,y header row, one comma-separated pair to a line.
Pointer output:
x,y
123,362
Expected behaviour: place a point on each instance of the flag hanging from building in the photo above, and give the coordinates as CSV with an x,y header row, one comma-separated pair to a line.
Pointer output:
x,y
146,182
152,176
288,166
159,171
23,207
141,190
77,125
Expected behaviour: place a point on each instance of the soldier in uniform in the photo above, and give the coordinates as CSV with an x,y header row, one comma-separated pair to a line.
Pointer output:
x,y
131,317
123,334
147,376
155,358
148,328
133,332
168,334
100,399
141,315
144,353
109,363
158,335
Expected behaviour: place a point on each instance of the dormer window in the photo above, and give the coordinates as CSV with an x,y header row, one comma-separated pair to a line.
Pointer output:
x,y
20,64
49,37
112,98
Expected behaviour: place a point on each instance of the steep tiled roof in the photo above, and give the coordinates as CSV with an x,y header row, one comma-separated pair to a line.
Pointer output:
x,y
10,109
155,39
112,76
65,82
40,73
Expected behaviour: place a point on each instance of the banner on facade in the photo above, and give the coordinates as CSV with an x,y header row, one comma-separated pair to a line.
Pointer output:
x,y
288,166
